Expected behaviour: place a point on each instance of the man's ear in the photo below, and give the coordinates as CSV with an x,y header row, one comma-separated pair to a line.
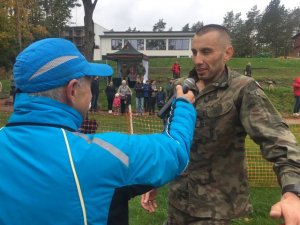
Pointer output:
x,y
71,92
228,53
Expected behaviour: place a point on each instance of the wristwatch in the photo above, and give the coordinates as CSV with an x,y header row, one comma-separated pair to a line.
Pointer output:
x,y
294,188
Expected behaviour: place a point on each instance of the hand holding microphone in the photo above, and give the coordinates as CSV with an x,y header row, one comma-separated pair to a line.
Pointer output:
x,y
188,91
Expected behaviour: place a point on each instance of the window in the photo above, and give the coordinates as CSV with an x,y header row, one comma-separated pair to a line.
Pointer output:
x,y
178,44
156,44
78,32
138,44
116,44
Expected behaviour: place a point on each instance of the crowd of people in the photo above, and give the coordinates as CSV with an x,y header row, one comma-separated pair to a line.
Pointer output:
x,y
148,97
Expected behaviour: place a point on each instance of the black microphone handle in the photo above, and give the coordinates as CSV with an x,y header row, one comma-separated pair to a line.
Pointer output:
x,y
187,84
166,108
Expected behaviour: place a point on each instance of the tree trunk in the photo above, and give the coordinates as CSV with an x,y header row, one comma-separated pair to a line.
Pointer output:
x,y
89,41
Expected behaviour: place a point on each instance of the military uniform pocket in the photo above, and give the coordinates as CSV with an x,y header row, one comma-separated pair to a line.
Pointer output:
x,y
219,109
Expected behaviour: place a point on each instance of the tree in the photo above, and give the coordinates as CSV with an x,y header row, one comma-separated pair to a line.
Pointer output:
x,y
159,26
186,28
236,27
131,30
16,31
252,22
273,30
8,44
89,41
56,14
295,19
229,21
196,26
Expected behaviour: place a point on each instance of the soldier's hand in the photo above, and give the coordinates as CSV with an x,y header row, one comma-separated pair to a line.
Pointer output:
x,y
287,208
148,201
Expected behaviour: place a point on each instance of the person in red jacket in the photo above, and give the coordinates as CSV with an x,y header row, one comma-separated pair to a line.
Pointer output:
x,y
296,86
176,70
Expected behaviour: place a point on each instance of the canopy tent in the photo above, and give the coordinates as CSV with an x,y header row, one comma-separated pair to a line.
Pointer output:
x,y
129,61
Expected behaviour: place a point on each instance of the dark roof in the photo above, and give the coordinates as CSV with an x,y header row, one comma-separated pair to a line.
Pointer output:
x,y
127,53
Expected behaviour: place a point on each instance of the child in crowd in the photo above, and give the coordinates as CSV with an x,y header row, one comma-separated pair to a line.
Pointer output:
x,y
116,104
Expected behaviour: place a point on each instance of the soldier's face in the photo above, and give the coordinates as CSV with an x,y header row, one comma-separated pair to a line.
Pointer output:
x,y
210,54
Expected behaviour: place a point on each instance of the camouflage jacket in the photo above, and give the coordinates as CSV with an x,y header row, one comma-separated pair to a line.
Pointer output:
x,y
215,183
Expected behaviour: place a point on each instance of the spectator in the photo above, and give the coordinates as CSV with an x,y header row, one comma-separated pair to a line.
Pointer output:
x,y
160,98
153,92
13,89
169,87
132,75
214,187
51,174
141,71
110,94
95,93
124,71
117,103
1,87
139,96
125,93
296,87
147,95
248,70
176,70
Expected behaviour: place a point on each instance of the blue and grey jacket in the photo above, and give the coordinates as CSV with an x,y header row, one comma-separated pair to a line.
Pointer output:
x,y
51,174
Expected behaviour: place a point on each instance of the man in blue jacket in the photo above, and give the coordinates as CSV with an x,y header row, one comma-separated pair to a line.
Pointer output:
x,y
51,174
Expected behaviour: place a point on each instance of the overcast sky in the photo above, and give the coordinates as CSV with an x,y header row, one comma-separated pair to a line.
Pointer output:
x,y
143,14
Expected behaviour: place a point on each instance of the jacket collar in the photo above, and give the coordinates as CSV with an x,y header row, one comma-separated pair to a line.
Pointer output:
x,y
222,82
43,110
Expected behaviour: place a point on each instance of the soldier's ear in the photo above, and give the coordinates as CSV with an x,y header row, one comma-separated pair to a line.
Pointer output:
x,y
228,53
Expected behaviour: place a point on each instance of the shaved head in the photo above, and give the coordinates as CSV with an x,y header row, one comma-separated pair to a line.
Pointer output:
x,y
222,31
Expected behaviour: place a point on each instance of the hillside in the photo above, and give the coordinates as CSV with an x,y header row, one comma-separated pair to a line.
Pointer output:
x,y
280,71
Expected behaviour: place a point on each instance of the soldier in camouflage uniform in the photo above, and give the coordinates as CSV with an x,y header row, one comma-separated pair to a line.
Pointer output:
x,y
214,188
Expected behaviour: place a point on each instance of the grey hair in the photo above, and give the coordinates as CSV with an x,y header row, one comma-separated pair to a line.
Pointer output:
x,y
55,93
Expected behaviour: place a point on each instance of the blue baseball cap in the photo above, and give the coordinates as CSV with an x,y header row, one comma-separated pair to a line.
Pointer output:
x,y
51,63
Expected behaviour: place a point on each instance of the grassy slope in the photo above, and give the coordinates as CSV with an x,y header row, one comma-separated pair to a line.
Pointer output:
x,y
282,71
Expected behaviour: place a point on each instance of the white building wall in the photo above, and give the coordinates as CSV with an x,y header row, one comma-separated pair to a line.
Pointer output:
x,y
98,30
105,43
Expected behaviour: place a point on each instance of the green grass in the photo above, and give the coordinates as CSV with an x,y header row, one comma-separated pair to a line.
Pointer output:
x,y
261,198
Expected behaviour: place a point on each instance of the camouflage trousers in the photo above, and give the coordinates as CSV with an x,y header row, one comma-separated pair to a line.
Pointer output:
x,y
177,217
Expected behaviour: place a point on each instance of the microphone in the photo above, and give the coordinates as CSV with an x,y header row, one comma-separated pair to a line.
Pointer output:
x,y
187,84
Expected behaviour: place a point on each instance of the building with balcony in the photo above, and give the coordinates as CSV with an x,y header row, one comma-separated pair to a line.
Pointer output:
x,y
76,34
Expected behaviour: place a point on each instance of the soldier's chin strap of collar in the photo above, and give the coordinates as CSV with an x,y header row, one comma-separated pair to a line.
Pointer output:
x,y
39,124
